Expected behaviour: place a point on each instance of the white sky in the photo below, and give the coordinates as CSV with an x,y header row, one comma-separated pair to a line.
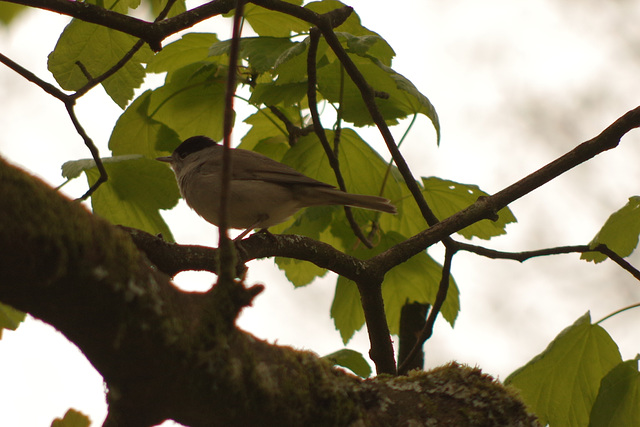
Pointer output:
x,y
516,84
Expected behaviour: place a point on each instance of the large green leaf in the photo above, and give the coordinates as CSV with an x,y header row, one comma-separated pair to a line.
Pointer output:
x,y
416,280
402,99
98,49
618,401
353,26
137,133
10,318
192,101
261,52
270,23
274,94
136,190
362,167
620,232
8,11
177,8
560,385
291,65
191,48
448,197
445,198
266,127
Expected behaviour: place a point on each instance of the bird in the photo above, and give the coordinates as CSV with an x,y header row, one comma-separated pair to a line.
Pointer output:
x,y
262,192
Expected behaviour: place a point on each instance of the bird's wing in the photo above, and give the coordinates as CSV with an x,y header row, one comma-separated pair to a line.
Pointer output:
x,y
265,169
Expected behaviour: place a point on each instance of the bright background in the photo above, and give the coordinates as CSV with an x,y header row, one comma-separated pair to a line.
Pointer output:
x,y
516,84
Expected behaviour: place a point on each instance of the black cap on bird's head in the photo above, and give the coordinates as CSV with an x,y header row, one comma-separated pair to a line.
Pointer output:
x,y
189,146
193,145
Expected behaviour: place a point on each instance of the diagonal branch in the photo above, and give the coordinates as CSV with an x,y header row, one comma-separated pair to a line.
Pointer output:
x,y
487,207
151,33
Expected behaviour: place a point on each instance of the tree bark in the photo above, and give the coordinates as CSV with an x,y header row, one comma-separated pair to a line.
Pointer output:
x,y
167,354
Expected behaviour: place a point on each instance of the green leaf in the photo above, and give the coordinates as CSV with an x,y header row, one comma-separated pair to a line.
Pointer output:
x,y
284,95
137,133
618,402
362,167
366,45
402,99
620,232
8,11
351,360
261,52
448,197
192,101
10,318
560,385
416,280
266,127
270,23
191,48
353,26
72,418
346,309
136,190
98,49
291,65
445,198
313,223
178,7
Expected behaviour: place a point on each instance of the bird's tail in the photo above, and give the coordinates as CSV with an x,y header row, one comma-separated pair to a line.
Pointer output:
x,y
337,197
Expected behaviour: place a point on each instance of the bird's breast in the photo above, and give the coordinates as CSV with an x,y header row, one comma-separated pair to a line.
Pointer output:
x,y
249,201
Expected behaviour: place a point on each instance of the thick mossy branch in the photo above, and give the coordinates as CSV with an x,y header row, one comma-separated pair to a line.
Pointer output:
x,y
165,354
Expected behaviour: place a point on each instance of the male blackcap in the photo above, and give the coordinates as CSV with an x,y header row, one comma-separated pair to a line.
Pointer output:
x,y
262,191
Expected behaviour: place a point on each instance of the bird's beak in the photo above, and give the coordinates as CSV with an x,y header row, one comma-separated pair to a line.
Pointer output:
x,y
165,159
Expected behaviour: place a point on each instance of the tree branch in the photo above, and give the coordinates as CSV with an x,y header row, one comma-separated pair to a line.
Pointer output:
x,y
166,354
487,207
525,255
152,33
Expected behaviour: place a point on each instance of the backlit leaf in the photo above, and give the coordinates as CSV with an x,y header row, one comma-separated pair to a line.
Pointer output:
x,y
137,133
135,192
620,232
192,101
560,384
618,401
97,49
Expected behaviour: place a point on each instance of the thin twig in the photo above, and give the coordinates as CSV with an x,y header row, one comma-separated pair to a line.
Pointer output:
x,y
92,148
47,87
293,131
525,255
629,307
